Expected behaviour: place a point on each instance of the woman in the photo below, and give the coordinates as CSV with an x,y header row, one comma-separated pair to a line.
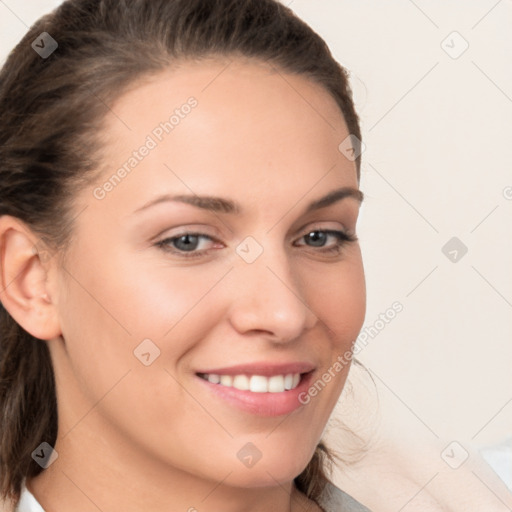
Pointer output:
x,y
180,274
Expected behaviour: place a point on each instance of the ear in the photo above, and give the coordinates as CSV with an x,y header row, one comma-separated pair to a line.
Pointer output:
x,y
24,283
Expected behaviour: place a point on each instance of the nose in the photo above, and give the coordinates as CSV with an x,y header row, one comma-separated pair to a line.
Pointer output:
x,y
269,298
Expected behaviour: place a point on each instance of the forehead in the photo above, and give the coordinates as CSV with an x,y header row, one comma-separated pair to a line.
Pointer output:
x,y
243,93
225,81
221,123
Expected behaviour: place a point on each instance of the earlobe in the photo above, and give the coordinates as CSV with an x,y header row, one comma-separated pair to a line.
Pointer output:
x,y
24,289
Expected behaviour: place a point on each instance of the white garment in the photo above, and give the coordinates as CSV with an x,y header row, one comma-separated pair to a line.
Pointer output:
x,y
499,457
27,502
333,500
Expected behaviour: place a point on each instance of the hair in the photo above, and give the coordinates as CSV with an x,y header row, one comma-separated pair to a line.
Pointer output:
x,y
51,114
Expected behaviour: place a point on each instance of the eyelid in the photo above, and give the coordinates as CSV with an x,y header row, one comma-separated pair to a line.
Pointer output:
x,y
188,229
321,226
338,224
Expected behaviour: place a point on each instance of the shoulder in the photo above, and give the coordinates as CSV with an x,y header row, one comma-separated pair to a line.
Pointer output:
x,y
336,500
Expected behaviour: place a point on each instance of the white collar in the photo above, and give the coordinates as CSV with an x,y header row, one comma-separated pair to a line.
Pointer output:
x,y
28,502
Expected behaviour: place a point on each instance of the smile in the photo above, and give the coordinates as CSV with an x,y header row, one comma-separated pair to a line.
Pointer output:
x,y
255,383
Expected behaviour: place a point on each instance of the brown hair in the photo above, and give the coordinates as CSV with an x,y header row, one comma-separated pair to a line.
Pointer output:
x,y
51,113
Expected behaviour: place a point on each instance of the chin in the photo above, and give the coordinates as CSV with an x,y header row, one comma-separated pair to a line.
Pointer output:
x,y
269,474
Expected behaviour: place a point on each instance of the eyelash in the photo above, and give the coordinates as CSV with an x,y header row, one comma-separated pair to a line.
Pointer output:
x,y
342,238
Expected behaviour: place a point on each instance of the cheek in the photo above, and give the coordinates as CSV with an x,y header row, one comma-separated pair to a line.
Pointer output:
x,y
143,296
109,313
105,316
338,298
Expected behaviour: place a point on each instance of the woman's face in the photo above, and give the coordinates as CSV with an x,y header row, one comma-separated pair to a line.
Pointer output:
x,y
260,292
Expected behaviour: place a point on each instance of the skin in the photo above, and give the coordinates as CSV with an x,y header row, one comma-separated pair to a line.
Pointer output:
x,y
134,437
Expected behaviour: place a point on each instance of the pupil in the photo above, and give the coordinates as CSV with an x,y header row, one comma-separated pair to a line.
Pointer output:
x,y
316,236
189,242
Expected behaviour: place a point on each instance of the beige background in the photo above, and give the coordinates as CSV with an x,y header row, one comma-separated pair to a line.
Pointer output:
x,y
437,165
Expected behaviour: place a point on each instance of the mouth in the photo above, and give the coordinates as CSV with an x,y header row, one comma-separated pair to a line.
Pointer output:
x,y
255,383
259,390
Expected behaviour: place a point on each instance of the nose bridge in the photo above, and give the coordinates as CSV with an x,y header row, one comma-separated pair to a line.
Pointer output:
x,y
269,294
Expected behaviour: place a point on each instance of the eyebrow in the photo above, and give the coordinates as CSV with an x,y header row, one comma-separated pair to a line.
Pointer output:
x,y
222,205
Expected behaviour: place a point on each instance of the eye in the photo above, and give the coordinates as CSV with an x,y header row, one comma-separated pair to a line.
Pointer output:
x,y
188,245
319,237
185,244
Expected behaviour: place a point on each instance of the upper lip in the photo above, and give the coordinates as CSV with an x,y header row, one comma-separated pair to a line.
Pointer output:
x,y
266,369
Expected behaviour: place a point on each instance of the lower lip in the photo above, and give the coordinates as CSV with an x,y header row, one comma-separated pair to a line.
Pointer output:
x,y
262,404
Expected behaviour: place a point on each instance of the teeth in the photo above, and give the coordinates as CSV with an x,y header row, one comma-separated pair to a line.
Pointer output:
x,y
226,380
256,383
276,384
214,379
241,382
